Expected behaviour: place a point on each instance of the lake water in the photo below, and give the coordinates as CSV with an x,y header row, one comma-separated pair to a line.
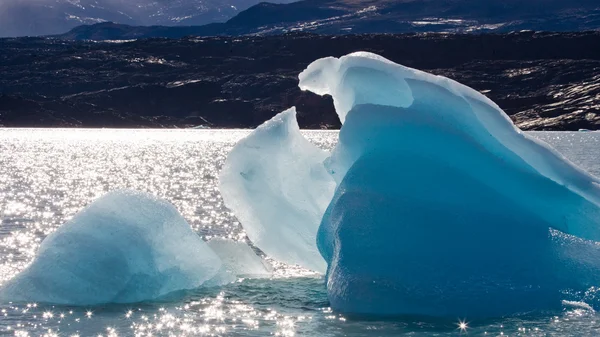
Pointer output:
x,y
47,175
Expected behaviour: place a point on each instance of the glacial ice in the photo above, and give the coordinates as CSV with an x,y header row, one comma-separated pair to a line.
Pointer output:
x,y
124,247
238,260
275,183
441,207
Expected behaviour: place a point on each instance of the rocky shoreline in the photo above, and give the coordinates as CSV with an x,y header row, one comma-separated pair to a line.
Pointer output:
x,y
544,81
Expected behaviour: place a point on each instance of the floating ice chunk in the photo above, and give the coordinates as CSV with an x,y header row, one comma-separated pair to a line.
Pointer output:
x,y
275,183
124,247
239,259
443,207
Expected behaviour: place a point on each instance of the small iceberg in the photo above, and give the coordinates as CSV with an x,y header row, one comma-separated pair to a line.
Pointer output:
x,y
442,207
275,183
125,247
238,260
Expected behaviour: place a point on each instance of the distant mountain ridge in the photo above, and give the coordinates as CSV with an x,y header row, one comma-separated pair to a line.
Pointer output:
x,y
46,17
377,16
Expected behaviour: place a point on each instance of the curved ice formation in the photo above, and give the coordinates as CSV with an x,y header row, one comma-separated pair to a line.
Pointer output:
x,y
124,247
443,207
275,183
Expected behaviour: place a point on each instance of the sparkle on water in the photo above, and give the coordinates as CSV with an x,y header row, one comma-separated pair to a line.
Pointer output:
x,y
47,175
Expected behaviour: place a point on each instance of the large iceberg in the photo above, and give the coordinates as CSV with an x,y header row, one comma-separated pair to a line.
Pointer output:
x,y
442,207
125,247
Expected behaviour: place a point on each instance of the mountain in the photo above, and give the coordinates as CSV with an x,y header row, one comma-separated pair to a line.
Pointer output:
x,y
393,16
544,81
379,16
45,17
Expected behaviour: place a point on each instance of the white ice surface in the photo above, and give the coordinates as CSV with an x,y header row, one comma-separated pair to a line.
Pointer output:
x,y
275,183
125,247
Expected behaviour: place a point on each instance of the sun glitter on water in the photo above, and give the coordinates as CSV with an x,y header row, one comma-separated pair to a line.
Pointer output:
x,y
462,325
43,172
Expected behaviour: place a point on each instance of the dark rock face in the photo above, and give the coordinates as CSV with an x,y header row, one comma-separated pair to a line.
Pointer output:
x,y
396,16
545,81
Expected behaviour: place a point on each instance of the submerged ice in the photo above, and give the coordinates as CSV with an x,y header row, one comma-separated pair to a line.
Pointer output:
x,y
441,206
238,259
125,247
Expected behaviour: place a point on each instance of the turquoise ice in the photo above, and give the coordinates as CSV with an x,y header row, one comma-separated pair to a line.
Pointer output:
x,y
442,206
127,247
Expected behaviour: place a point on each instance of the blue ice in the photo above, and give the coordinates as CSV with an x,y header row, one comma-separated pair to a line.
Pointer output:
x,y
126,247
442,206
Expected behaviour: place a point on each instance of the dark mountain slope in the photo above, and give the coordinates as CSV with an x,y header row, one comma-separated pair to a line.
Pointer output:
x,y
545,81
386,16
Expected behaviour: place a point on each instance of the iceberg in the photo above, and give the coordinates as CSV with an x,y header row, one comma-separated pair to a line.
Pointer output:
x,y
441,207
238,260
276,184
125,247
